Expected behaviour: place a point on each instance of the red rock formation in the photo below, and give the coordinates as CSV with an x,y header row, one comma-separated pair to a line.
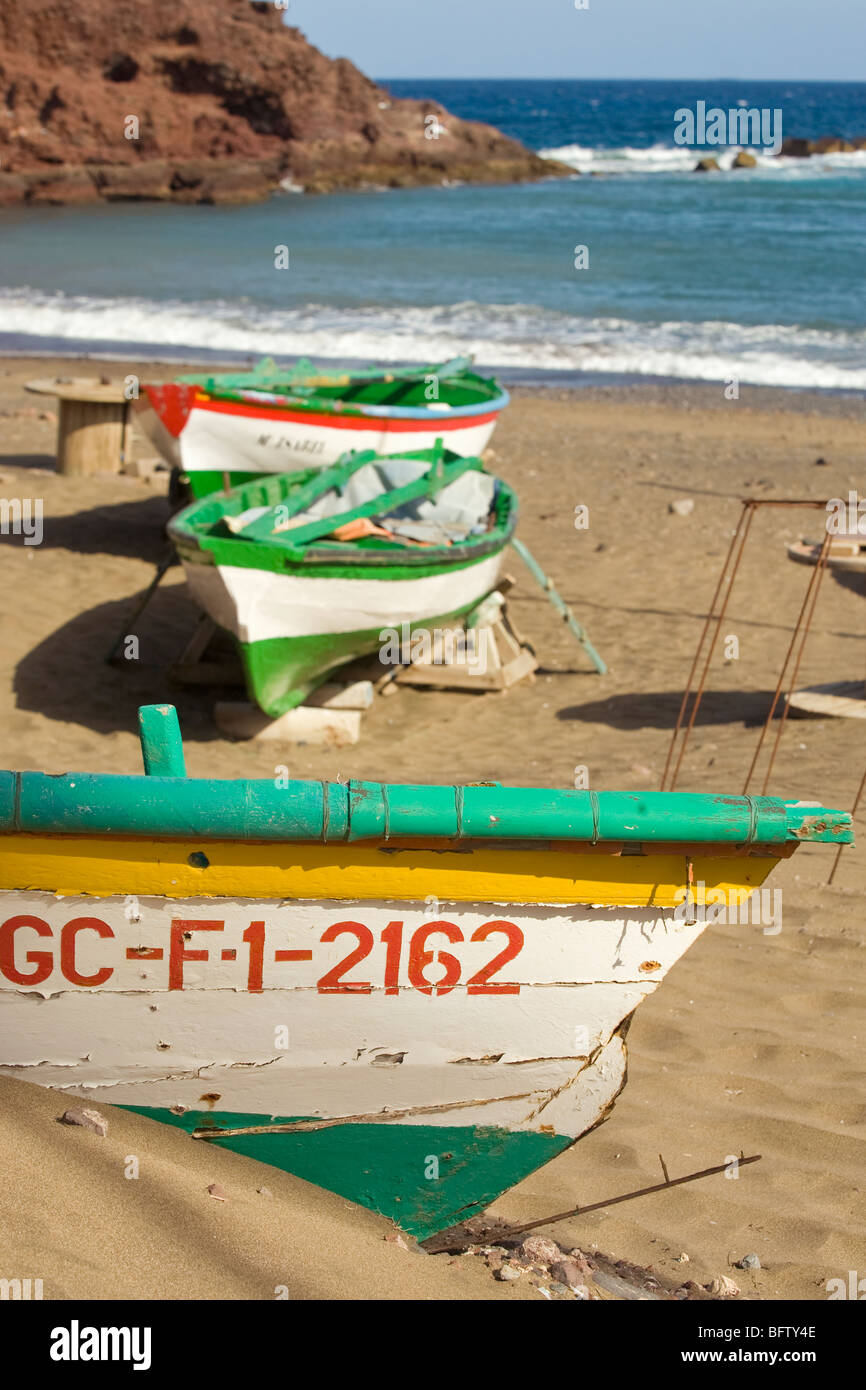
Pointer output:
x,y
222,101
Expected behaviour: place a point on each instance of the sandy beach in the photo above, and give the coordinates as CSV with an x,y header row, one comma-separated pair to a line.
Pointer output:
x,y
753,1043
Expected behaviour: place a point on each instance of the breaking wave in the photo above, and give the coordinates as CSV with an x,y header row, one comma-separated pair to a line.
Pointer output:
x,y
499,335
673,159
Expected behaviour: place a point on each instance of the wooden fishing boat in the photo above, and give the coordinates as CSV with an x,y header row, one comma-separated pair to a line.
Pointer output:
x,y
411,995
308,570
270,420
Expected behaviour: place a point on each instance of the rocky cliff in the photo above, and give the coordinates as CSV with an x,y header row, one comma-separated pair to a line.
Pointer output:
x,y
211,101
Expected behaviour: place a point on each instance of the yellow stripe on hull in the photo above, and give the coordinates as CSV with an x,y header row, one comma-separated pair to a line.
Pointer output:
x,y
99,867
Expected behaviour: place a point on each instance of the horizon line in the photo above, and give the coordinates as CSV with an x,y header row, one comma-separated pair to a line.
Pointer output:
x,y
442,77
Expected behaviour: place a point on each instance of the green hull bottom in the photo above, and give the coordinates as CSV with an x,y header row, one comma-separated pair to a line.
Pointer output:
x,y
423,1177
281,672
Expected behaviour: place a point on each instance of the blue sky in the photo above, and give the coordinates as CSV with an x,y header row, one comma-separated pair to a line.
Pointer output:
x,y
793,39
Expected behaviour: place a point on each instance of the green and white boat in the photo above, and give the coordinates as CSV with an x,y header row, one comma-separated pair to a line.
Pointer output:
x,y
308,570
239,425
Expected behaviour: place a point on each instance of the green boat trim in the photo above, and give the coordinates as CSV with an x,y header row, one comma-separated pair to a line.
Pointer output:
x,y
395,392
171,806
200,534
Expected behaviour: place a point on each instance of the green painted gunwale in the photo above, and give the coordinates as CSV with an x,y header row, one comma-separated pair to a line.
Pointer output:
x,y
199,538
351,389
165,807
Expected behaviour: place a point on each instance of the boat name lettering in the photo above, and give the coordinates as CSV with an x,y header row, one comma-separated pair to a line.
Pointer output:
x,y
297,446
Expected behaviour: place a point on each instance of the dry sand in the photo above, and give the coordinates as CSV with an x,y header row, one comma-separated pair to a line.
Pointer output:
x,y
754,1042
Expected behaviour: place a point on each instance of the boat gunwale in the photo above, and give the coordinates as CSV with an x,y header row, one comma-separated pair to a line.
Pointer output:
x,y
172,807
196,546
318,405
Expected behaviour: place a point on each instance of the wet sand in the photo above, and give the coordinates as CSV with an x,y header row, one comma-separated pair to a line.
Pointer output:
x,y
754,1041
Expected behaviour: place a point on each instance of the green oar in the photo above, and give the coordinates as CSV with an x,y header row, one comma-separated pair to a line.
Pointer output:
x,y
559,604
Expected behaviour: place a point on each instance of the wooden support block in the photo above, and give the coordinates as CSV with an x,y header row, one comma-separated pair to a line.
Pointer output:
x,y
330,728
492,660
835,700
358,695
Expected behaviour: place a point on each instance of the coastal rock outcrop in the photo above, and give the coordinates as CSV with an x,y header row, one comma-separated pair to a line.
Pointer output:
x,y
212,101
795,147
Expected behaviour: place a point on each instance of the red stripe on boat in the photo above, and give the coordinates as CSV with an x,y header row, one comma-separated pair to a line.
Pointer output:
x,y
390,423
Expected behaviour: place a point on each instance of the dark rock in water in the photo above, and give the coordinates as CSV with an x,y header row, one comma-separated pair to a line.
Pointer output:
x,y
796,148
213,101
744,160
706,165
830,144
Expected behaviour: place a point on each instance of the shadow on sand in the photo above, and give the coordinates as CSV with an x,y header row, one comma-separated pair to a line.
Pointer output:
x,y
135,530
66,676
659,709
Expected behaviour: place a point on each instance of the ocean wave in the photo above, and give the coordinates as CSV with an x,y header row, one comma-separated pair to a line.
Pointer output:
x,y
674,159
499,335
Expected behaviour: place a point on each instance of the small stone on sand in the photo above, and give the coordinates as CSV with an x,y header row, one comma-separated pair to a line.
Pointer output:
x,y
539,1250
723,1287
87,1119
749,1261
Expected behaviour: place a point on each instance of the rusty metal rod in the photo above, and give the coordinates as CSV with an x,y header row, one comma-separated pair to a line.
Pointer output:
x,y
820,570
627,1196
796,630
712,608
860,791
749,508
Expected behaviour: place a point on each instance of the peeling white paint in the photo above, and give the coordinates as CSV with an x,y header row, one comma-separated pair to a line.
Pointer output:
x,y
548,1056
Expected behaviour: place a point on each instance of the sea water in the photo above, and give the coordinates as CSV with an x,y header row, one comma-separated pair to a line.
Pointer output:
x,y
648,270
